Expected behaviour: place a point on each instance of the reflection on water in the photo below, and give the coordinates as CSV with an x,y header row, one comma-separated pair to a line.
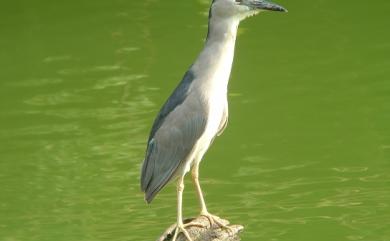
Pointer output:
x,y
305,155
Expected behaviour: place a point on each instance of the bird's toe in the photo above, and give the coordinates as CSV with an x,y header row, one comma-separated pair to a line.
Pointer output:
x,y
216,221
181,228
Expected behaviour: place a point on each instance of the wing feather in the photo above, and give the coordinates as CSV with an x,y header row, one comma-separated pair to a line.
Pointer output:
x,y
178,126
170,147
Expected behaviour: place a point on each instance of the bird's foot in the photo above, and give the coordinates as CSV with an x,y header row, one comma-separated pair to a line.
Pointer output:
x,y
216,220
181,228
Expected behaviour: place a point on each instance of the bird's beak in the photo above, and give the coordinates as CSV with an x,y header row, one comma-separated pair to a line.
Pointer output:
x,y
264,5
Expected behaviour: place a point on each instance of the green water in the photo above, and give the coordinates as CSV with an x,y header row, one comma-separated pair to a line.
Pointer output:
x,y
305,157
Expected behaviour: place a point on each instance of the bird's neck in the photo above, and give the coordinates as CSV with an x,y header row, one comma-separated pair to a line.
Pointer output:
x,y
222,29
215,61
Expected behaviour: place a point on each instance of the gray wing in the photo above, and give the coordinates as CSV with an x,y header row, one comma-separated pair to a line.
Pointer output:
x,y
176,99
178,126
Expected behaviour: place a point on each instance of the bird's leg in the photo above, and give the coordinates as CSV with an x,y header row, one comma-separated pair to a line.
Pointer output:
x,y
195,180
213,219
180,226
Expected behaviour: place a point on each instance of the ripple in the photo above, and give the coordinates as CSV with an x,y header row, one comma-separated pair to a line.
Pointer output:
x,y
350,169
38,82
127,49
62,97
117,81
51,59
91,70
37,130
104,68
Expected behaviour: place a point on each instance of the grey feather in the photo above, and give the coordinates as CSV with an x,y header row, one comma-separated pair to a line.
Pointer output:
x,y
177,97
175,132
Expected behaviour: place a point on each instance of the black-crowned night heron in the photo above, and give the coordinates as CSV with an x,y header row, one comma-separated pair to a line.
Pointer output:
x,y
197,110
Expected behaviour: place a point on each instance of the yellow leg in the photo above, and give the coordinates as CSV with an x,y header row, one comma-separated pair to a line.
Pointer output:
x,y
195,180
180,226
213,219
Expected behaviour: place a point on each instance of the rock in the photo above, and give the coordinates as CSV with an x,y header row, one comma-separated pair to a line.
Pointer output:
x,y
205,233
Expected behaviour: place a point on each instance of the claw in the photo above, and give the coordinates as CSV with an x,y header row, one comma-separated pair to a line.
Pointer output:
x,y
182,229
214,220
209,217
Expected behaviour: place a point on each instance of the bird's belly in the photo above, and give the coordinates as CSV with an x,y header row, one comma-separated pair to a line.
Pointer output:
x,y
216,109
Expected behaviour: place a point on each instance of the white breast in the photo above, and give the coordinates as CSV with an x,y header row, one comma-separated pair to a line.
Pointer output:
x,y
215,93
217,105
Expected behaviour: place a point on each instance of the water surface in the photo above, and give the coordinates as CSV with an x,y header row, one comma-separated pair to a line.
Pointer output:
x,y
305,155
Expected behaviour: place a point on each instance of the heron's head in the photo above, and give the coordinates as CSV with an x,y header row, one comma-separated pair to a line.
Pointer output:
x,y
241,9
